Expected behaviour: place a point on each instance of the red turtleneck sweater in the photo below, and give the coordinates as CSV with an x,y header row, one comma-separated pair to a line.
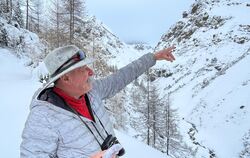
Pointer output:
x,y
77,104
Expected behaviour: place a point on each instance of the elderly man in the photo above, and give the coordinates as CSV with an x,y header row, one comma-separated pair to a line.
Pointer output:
x,y
67,118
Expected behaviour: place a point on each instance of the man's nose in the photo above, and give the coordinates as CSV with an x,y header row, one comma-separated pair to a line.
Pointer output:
x,y
90,71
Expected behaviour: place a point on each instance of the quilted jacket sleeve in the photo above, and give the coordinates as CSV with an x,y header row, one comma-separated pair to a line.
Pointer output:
x,y
109,86
39,139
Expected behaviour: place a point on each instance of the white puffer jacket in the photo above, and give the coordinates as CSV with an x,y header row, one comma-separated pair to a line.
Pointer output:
x,y
51,131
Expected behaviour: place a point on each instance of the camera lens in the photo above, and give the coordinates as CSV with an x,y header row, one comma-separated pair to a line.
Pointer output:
x,y
121,152
109,141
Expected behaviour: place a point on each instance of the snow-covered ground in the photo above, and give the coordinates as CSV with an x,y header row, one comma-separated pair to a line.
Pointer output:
x,y
17,89
18,84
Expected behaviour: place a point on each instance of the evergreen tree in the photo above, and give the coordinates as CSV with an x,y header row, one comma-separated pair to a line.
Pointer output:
x,y
139,106
65,17
33,15
27,15
56,34
171,140
147,109
17,15
75,10
37,15
157,123
117,110
6,8
154,104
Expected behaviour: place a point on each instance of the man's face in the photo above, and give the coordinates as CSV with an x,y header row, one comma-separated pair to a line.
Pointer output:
x,y
79,79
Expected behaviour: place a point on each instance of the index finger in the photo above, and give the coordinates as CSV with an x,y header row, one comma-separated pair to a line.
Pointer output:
x,y
172,56
172,47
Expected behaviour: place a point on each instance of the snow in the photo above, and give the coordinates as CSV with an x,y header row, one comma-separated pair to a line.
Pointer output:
x,y
18,83
137,149
219,110
215,110
16,91
218,131
127,55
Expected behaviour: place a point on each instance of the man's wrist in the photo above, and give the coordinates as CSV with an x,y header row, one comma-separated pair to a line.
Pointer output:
x,y
156,56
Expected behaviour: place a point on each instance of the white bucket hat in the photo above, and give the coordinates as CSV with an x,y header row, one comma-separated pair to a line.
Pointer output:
x,y
63,60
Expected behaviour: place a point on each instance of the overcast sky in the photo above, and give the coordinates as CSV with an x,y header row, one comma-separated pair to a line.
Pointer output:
x,y
138,20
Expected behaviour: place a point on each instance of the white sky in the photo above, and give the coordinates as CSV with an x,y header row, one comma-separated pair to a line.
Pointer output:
x,y
138,20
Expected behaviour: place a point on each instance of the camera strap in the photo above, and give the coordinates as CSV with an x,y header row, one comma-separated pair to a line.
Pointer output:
x,y
92,111
88,104
88,126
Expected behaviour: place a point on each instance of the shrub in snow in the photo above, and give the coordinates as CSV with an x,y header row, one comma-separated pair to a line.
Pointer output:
x,y
24,43
246,146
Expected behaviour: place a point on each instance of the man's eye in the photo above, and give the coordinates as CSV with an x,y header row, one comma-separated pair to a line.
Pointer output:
x,y
83,69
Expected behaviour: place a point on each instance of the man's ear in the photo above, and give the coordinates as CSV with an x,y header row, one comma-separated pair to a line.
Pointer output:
x,y
65,78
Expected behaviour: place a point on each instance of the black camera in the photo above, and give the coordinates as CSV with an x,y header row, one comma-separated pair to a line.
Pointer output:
x,y
109,141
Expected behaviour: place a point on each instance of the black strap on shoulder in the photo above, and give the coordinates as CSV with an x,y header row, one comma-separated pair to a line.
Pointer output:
x,y
91,113
50,96
87,126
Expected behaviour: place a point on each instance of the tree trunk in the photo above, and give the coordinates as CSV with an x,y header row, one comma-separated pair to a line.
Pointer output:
x,y
168,125
7,6
11,8
148,134
154,124
71,21
27,14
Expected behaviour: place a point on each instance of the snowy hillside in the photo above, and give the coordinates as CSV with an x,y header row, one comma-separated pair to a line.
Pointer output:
x,y
17,88
210,80
24,43
105,46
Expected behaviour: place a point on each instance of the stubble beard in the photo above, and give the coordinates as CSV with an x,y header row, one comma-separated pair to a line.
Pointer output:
x,y
88,85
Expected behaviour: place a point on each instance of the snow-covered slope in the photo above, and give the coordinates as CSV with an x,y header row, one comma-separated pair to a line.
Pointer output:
x,y
24,43
17,88
134,148
210,80
104,45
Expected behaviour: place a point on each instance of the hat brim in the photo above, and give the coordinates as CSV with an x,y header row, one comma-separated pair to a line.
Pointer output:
x,y
77,65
